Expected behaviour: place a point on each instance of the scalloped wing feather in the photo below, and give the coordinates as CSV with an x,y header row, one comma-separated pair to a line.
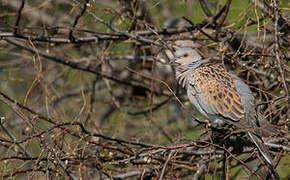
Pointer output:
x,y
218,94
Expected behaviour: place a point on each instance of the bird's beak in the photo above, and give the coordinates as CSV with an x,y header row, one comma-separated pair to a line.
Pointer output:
x,y
173,61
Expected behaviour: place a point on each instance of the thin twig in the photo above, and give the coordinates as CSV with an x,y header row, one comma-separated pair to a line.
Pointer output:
x,y
10,134
225,14
276,49
205,8
86,4
63,166
18,17
80,66
165,164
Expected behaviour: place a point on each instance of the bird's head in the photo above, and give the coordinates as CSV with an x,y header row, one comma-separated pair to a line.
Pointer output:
x,y
185,56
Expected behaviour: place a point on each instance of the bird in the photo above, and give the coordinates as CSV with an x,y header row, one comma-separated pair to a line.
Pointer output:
x,y
220,96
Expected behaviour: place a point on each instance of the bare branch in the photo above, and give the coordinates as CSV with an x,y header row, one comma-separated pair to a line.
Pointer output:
x,y
19,17
205,8
276,49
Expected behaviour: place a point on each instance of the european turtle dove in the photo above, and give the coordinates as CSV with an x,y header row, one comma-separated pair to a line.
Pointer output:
x,y
220,96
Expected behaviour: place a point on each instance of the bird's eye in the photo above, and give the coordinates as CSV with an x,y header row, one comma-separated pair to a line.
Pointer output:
x,y
185,55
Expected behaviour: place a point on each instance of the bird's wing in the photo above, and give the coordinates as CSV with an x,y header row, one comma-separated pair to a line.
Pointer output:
x,y
264,128
218,94
247,98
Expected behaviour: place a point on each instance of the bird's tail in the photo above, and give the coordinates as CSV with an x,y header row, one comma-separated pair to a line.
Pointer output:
x,y
265,153
261,147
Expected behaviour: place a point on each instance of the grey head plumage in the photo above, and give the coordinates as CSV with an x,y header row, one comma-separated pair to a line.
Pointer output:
x,y
186,55
185,60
